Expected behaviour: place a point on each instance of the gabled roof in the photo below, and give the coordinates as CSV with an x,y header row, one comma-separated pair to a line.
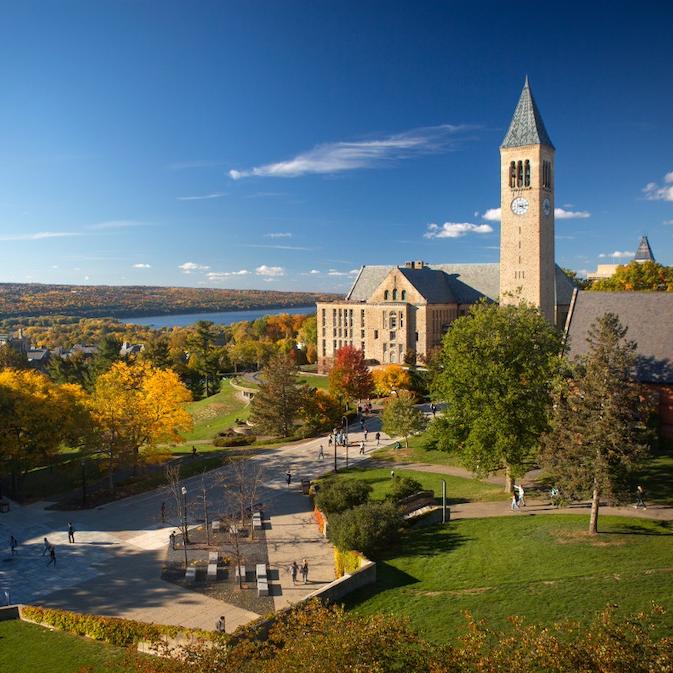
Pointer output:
x,y
431,283
644,252
648,317
526,127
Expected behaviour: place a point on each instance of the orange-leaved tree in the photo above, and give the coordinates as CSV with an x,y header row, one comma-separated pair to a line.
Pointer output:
x,y
135,406
350,378
390,378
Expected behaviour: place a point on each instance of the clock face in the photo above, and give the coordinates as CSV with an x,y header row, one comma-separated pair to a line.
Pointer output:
x,y
546,207
519,206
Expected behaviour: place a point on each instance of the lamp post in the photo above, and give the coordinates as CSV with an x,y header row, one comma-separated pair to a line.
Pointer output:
x,y
83,465
184,515
344,425
335,452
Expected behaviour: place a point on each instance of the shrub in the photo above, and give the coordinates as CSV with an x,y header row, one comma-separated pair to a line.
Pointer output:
x,y
368,528
235,440
339,495
403,487
346,562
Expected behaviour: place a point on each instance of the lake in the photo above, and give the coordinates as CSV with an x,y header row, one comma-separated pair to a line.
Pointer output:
x,y
220,318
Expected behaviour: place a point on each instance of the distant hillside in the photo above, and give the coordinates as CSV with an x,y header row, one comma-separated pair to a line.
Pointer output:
x,y
95,301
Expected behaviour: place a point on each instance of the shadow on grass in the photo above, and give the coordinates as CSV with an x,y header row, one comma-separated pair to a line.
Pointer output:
x,y
666,528
656,477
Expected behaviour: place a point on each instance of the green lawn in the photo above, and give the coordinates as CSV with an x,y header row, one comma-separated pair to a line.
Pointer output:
x,y
313,380
657,477
545,568
215,413
457,488
420,451
28,648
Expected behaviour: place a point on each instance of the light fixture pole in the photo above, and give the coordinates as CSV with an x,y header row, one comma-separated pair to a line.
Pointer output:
x,y
344,425
184,515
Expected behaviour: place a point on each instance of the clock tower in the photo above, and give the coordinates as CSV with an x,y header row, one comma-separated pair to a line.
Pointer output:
x,y
527,266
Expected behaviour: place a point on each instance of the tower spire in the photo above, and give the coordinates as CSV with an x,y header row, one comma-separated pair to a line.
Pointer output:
x,y
526,127
644,252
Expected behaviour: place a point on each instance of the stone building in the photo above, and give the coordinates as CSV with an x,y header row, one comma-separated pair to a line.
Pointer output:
x,y
643,254
391,311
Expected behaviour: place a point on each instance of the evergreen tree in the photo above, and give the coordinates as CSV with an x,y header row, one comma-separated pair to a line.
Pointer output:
x,y
277,402
495,372
204,355
108,353
596,421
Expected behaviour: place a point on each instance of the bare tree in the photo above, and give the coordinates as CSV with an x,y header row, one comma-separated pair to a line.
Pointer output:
x,y
246,479
176,492
204,497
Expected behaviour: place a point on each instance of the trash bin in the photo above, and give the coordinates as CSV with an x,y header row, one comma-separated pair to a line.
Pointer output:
x,y
305,486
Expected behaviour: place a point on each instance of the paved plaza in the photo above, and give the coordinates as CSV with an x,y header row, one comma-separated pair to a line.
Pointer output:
x,y
114,568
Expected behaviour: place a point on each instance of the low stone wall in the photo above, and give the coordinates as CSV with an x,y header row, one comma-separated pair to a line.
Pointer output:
x,y
9,612
336,590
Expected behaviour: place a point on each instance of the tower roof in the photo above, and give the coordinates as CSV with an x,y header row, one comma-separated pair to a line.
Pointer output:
x,y
526,127
644,252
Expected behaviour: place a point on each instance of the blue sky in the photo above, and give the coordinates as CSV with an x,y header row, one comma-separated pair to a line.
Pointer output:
x,y
283,144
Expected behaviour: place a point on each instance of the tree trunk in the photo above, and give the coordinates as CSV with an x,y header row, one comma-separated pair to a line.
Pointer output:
x,y
508,479
595,502
406,441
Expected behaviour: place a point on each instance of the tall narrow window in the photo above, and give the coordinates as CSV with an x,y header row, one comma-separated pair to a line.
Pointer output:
x,y
394,295
404,295
512,174
526,174
385,295
519,174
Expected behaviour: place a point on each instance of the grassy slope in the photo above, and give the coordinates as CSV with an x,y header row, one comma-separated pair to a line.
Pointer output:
x,y
545,568
457,489
419,451
28,648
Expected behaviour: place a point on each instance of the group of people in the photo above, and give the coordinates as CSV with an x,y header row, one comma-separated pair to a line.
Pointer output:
x,y
518,497
48,549
303,569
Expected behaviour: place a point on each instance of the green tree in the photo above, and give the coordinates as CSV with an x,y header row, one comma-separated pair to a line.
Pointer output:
x,y
369,528
75,368
401,417
637,277
350,378
277,402
338,495
11,358
157,351
497,364
575,279
107,354
594,443
204,356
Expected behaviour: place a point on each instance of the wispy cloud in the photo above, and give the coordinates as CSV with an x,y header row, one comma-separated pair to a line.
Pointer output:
x,y
456,230
142,266
38,236
314,272
617,254
190,267
198,163
495,214
282,234
653,192
118,224
220,275
668,221
270,271
202,197
334,272
274,247
350,155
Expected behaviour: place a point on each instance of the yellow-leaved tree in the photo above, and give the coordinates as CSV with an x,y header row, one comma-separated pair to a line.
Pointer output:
x,y
37,416
134,406
389,379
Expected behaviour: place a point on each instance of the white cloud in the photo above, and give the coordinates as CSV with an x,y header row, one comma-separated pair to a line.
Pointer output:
x,y
456,230
117,224
617,254
350,155
495,214
668,221
314,272
334,272
219,275
655,193
270,271
39,236
142,266
202,197
286,234
188,267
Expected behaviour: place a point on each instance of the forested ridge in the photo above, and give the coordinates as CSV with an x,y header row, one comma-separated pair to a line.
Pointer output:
x,y
95,301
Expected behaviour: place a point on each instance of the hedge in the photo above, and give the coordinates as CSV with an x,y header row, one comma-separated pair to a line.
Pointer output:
x,y
346,562
238,440
113,630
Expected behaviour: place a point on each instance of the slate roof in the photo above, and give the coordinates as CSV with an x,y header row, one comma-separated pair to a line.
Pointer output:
x,y
648,317
644,252
448,283
526,127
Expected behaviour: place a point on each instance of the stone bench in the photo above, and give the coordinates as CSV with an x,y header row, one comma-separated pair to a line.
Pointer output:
x,y
241,572
213,557
262,580
216,526
212,571
257,521
190,574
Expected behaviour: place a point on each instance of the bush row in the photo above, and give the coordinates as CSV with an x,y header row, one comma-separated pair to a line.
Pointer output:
x,y
234,440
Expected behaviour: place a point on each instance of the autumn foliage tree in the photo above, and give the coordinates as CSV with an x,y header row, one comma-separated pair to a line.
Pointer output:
x,y
349,377
390,378
134,406
637,277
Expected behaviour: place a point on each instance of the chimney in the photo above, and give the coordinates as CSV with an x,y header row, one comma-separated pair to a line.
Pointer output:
x,y
408,265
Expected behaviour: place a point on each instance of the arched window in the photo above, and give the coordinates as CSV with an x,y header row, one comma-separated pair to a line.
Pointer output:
x,y
385,295
394,295
404,295
526,174
512,174
519,173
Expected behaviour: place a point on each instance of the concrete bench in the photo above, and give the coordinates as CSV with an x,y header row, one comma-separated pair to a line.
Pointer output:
x,y
213,557
260,571
190,574
262,587
212,570
257,522
241,572
216,526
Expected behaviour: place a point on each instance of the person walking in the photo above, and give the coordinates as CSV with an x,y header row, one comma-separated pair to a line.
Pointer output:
x,y
171,539
366,433
304,571
193,451
515,502
52,556
13,544
640,497
46,547
321,454
219,625
294,569
329,442
362,448
378,439
288,476
521,498
433,409
163,512
71,533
